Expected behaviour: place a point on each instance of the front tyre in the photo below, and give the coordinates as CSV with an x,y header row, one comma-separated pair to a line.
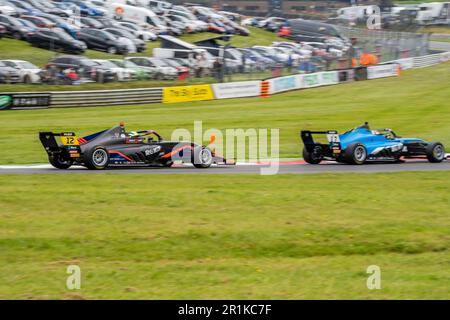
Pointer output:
x,y
435,152
355,153
60,163
314,157
202,158
97,159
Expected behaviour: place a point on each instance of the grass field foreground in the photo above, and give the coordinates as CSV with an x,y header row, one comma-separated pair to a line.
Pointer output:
x,y
225,237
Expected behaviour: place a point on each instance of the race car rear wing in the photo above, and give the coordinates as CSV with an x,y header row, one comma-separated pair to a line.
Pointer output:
x,y
69,143
332,138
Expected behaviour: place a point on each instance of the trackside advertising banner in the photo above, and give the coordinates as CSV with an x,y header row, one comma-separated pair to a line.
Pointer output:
x,y
237,89
188,93
24,100
406,63
303,81
284,84
329,78
387,70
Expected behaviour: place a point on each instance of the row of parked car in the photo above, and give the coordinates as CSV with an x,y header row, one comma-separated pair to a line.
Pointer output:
x,y
233,60
86,70
114,26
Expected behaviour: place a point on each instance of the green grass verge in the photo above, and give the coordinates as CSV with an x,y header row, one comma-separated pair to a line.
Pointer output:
x,y
414,104
441,40
225,237
435,29
14,49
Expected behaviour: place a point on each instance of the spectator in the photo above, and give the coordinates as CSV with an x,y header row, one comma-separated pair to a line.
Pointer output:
x,y
243,62
201,64
290,62
217,68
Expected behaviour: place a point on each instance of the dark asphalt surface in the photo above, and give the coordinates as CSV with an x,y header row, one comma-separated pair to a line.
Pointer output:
x,y
244,169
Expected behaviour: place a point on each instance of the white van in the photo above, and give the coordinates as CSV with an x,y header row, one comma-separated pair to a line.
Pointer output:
x,y
434,13
355,12
121,11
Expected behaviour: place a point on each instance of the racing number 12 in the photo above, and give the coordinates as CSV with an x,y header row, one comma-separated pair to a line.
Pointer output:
x,y
69,141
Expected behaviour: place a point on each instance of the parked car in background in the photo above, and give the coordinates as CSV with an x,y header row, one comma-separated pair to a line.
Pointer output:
x,y
56,39
28,72
8,74
87,9
139,44
254,22
161,69
59,22
104,41
88,22
142,73
7,9
272,23
84,67
2,31
144,34
39,22
46,7
23,8
14,28
182,69
122,74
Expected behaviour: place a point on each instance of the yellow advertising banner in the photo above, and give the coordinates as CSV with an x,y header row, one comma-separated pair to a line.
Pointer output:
x,y
188,93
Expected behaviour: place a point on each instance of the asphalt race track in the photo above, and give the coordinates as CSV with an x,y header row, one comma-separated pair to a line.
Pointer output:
x,y
292,167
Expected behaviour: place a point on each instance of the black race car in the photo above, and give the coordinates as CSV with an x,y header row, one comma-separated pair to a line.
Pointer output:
x,y
116,147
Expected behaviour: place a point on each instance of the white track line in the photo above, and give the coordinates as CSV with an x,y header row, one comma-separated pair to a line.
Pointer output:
x,y
48,166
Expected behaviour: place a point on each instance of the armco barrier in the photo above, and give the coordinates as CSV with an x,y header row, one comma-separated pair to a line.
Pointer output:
x,y
60,99
382,71
426,61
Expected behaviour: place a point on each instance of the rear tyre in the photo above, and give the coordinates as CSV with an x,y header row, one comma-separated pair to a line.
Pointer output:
x,y
202,158
96,159
60,163
355,153
435,152
314,157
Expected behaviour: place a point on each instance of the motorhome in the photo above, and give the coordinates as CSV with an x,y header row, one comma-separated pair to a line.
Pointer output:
x,y
356,12
433,13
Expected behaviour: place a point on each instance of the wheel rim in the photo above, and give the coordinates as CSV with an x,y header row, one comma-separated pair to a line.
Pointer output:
x,y
205,156
360,153
112,50
99,157
438,152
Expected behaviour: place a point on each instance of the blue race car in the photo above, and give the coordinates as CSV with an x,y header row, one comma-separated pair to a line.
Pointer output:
x,y
361,144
